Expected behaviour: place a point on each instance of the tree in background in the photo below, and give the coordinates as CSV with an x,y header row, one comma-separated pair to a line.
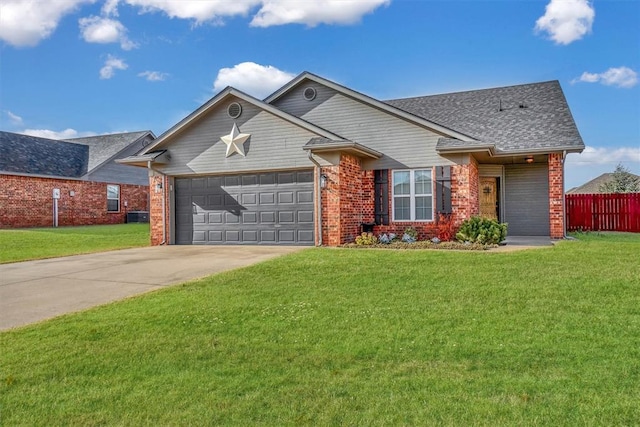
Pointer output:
x,y
622,181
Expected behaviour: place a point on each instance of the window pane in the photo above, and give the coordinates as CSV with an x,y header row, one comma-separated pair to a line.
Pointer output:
x,y
401,182
113,191
422,182
423,208
401,208
113,206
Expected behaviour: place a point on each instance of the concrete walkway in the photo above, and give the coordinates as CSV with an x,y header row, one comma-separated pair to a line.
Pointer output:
x,y
517,243
37,290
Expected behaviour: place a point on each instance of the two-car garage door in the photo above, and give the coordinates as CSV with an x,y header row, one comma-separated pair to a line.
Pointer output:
x,y
260,208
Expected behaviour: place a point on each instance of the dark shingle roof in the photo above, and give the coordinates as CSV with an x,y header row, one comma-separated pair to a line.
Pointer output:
x,y
41,156
514,118
104,147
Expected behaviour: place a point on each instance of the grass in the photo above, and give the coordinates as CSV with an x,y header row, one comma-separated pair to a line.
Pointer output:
x,y
344,337
38,243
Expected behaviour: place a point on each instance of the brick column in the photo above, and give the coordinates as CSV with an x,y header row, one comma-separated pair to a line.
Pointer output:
x,y
465,201
556,196
343,201
155,211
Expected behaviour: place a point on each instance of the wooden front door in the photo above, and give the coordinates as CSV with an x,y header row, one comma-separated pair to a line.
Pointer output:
x,y
489,198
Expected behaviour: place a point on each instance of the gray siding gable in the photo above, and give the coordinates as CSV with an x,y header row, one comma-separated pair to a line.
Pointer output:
x,y
404,144
274,144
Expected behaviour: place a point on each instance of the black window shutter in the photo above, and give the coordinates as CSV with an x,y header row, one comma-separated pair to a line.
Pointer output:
x,y
381,195
443,189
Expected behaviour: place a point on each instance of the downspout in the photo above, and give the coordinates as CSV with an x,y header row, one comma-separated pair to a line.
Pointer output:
x,y
319,196
564,207
164,196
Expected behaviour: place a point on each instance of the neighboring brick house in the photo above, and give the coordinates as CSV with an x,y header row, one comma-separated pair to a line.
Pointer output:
x,y
74,182
316,162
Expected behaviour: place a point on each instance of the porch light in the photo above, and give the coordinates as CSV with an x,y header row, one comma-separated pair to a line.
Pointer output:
x,y
323,181
528,159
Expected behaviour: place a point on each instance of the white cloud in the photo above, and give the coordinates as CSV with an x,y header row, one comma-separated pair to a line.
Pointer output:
x,y
566,21
605,155
110,7
621,77
153,76
198,10
14,118
111,64
270,12
95,29
255,79
52,134
27,22
594,161
312,13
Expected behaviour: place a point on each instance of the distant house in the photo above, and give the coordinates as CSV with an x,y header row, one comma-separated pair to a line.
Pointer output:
x,y
317,162
74,182
593,186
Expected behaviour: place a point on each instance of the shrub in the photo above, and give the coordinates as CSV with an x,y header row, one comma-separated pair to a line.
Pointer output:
x,y
446,228
482,230
410,235
386,238
366,239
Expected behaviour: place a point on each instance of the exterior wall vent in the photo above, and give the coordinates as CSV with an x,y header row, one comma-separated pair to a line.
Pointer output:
x,y
234,110
309,94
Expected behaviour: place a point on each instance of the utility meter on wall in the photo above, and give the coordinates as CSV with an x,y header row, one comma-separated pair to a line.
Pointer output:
x,y
56,193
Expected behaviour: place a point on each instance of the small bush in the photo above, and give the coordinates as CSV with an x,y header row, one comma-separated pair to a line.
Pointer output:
x,y
446,228
366,239
410,235
482,230
387,238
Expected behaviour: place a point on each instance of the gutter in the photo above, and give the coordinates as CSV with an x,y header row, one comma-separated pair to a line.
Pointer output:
x,y
564,202
319,196
164,197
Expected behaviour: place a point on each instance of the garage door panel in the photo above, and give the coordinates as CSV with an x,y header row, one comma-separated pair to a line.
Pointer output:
x,y
215,218
249,199
285,197
305,196
267,198
305,216
286,217
267,208
249,180
249,217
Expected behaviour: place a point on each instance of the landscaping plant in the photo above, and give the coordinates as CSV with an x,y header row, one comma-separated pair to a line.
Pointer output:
x,y
482,230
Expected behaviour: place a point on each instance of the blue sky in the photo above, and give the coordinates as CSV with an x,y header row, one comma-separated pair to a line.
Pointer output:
x,y
82,67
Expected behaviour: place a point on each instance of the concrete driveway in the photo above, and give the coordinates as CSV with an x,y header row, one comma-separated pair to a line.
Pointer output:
x,y
37,290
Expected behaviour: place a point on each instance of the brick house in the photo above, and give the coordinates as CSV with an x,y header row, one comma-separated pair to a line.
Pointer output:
x,y
315,162
73,182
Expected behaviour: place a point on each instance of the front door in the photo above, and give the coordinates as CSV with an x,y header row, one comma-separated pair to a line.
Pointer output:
x,y
489,198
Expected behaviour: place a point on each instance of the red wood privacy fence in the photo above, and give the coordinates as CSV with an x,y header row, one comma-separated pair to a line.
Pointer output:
x,y
603,212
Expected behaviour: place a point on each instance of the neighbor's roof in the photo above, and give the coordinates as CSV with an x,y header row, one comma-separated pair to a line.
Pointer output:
x,y
103,147
593,186
40,156
528,117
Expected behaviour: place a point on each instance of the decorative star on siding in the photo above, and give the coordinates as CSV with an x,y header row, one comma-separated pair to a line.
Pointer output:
x,y
235,141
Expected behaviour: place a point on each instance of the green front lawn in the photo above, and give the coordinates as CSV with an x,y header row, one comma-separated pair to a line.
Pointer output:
x,y
36,243
351,337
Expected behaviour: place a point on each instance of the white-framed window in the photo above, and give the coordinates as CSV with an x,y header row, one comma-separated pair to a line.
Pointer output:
x,y
113,198
412,195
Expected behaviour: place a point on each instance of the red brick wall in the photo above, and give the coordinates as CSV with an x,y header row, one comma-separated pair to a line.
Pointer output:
x,y
556,196
158,234
27,202
465,201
